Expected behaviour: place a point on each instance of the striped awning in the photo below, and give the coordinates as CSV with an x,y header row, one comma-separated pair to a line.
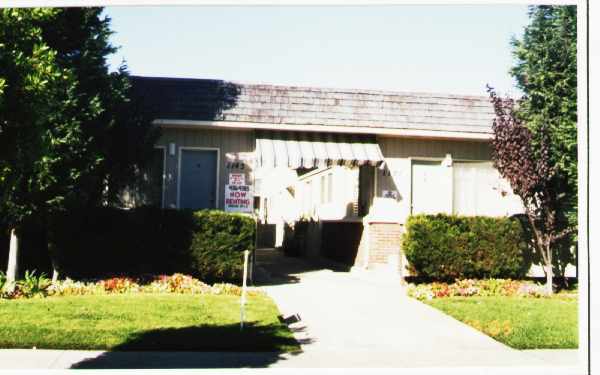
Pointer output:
x,y
315,150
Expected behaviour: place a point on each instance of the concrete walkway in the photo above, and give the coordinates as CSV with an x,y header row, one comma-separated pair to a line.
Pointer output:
x,y
346,320
358,320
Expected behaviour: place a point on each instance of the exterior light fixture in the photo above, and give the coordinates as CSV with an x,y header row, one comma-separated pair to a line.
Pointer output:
x,y
172,149
447,162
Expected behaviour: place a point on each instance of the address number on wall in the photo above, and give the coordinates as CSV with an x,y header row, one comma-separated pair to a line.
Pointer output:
x,y
235,165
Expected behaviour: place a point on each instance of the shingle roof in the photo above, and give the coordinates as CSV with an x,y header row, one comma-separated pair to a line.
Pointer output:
x,y
214,100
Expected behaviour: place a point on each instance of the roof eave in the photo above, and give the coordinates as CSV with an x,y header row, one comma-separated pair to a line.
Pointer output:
x,y
380,131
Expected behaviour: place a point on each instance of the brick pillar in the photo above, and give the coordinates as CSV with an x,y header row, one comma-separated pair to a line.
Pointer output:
x,y
380,246
384,244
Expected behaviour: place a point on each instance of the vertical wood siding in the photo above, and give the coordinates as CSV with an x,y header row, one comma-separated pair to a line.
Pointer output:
x,y
401,153
235,146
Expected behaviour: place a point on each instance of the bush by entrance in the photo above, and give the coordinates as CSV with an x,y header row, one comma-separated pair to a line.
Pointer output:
x,y
447,247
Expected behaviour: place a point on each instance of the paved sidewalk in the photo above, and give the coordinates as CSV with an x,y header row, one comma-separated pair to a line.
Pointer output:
x,y
82,359
561,361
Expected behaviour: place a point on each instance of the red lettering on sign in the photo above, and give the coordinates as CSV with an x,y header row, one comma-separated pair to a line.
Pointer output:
x,y
237,201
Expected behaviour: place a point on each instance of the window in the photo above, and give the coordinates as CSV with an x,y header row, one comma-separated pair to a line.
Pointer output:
x,y
479,190
326,188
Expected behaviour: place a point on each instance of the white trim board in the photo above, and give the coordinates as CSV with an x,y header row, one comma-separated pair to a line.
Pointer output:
x,y
240,125
313,173
217,182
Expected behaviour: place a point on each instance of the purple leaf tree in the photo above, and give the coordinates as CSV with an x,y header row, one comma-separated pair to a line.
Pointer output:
x,y
526,163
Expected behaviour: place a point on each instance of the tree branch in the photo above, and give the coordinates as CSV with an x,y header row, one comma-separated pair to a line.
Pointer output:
x,y
564,233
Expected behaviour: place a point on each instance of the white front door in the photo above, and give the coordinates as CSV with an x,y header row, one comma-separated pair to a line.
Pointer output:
x,y
431,188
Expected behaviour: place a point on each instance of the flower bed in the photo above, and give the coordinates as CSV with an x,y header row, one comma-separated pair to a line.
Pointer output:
x,y
477,288
40,286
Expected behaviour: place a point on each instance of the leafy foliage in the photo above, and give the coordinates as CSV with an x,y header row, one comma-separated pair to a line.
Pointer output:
x,y
448,247
106,241
533,176
218,244
2,283
535,145
32,285
70,134
546,71
39,117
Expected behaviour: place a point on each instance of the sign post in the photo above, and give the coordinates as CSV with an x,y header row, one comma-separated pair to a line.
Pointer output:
x,y
243,298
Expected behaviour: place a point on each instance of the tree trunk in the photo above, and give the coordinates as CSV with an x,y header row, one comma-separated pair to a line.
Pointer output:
x,y
52,253
55,272
13,257
549,272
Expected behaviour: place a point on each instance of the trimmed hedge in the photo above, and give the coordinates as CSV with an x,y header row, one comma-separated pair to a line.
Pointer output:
x,y
218,242
448,247
103,242
108,241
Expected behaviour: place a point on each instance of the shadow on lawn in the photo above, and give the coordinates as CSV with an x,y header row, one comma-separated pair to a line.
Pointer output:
x,y
197,347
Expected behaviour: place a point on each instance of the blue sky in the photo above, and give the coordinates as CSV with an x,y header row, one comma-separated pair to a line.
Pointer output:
x,y
430,48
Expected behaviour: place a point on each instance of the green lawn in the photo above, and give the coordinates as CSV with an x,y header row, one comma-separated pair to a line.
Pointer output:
x,y
143,322
522,323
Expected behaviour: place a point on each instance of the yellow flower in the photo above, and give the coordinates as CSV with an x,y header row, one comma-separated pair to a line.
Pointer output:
x,y
494,328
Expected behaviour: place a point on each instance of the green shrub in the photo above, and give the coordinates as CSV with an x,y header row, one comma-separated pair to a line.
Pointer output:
x,y
218,242
2,283
105,242
161,239
33,285
447,247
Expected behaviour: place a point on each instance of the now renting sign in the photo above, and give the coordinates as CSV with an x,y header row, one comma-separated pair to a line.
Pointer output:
x,y
239,198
